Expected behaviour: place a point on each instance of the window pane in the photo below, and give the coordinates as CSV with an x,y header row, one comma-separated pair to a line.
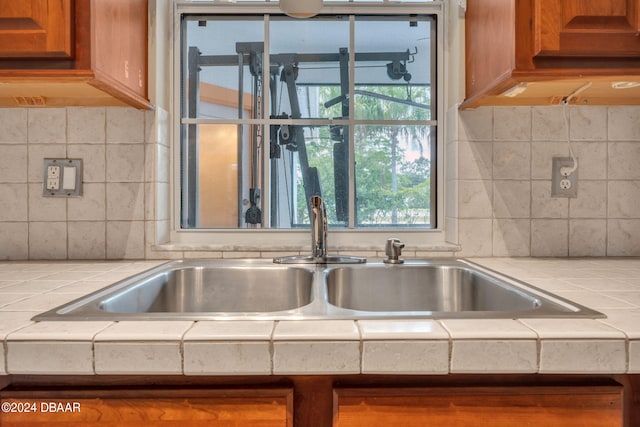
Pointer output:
x,y
218,177
310,168
393,68
393,175
214,48
306,54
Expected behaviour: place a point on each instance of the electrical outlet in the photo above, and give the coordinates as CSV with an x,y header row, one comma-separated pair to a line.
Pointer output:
x,y
563,183
53,183
53,172
62,178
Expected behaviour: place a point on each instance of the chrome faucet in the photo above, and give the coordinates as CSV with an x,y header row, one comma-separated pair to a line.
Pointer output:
x,y
318,228
319,241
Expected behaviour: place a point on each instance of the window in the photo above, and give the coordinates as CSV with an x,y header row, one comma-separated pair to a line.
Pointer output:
x,y
277,109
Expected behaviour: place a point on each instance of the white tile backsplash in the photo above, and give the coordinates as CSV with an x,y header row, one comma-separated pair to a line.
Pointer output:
x,y
623,124
125,125
93,161
587,237
87,239
13,125
511,160
111,212
14,202
548,123
502,158
588,123
512,124
47,125
13,163
86,125
591,201
604,218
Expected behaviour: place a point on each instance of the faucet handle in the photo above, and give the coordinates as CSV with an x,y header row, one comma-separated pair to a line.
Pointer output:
x,y
393,250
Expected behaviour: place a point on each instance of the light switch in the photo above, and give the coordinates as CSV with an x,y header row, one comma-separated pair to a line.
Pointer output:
x,y
69,178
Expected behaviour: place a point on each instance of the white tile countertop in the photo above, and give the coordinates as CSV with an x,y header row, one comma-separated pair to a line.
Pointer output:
x,y
247,347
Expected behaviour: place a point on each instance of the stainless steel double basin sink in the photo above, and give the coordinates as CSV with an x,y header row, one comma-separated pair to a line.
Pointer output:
x,y
259,289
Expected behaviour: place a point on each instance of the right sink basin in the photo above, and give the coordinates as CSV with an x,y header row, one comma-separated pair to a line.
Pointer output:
x,y
445,289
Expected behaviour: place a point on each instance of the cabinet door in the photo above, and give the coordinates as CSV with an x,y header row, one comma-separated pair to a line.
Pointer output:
x,y
35,29
588,28
598,406
149,408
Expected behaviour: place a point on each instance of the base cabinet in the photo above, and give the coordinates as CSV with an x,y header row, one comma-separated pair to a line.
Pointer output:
x,y
480,407
534,400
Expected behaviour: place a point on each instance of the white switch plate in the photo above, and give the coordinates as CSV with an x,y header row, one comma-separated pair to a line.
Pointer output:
x,y
62,178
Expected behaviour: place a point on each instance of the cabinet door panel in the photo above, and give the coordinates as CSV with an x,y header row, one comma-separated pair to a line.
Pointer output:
x,y
35,28
184,408
479,407
593,28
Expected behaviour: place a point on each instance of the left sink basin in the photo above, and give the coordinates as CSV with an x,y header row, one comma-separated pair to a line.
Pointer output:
x,y
182,288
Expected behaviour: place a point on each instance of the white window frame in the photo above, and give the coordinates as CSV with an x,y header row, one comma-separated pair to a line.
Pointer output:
x,y
268,239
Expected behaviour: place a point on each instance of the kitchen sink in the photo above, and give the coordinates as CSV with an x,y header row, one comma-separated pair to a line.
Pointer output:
x,y
425,288
214,289
196,289
260,289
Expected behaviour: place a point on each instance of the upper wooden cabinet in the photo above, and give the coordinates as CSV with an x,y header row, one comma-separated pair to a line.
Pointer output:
x,y
73,52
35,28
537,52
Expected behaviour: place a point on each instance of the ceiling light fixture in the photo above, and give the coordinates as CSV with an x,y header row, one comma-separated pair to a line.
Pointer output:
x,y
300,8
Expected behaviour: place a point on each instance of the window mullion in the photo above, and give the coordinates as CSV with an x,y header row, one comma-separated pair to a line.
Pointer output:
x,y
352,163
266,111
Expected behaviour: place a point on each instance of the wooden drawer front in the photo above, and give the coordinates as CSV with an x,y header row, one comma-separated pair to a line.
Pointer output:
x,y
35,29
184,408
599,406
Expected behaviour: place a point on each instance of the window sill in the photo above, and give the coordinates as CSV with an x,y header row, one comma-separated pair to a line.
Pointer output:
x,y
299,242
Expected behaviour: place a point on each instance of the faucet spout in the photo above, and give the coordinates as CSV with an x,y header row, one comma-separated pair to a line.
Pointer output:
x,y
319,241
318,228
